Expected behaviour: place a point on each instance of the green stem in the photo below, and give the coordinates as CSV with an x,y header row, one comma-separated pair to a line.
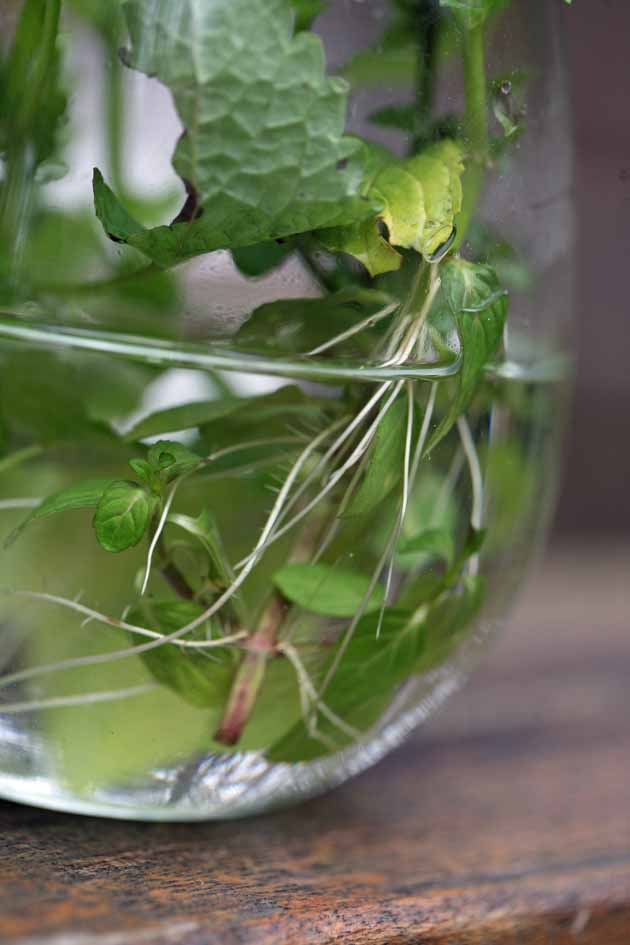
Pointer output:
x,y
475,126
427,29
115,108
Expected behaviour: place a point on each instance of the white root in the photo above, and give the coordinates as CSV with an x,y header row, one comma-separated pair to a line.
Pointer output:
x,y
354,458
88,698
476,479
309,700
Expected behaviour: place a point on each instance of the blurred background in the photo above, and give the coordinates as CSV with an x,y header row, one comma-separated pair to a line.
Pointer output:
x,y
594,498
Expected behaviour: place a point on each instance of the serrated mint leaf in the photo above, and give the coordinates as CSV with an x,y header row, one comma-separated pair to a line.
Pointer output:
x,y
264,154
474,13
122,516
201,678
373,664
80,495
171,459
435,542
420,198
385,463
479,305
323,589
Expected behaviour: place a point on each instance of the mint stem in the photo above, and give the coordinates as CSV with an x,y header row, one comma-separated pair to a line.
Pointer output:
x,y
475,126
251,674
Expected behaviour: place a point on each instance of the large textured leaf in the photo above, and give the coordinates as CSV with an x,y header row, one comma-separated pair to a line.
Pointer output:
x,y
473,295
263,155
419,200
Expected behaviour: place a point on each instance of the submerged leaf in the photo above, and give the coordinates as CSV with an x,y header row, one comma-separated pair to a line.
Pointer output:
x,y
205,529
436,542
448,620
297,326
264,154
372,665
385,462
80,495
122,516
323,589
200,677
474,297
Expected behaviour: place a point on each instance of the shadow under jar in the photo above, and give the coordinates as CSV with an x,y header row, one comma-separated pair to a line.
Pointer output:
x,y
281,381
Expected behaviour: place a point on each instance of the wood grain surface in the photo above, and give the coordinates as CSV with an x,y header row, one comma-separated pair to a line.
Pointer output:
x,y
504,822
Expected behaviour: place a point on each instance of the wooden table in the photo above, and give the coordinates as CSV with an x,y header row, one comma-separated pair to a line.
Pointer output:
x,y
504,822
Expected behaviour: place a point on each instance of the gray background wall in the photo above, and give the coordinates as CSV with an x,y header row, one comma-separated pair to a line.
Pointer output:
x,y
595,496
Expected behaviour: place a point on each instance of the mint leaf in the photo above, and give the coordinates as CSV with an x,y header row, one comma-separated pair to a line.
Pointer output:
x,y
372,666
80,495
326,590
263,154
427,587
474,297
39,391
420,199
170,459
254,261
385,465
205,529
201,678
448,620
183,417
296,326
122,516
436,542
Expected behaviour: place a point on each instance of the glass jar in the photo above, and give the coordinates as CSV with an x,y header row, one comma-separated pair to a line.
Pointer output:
x,y
281,382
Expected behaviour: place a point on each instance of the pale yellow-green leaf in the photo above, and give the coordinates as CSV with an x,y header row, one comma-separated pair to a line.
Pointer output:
x,y
420,198
439,169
